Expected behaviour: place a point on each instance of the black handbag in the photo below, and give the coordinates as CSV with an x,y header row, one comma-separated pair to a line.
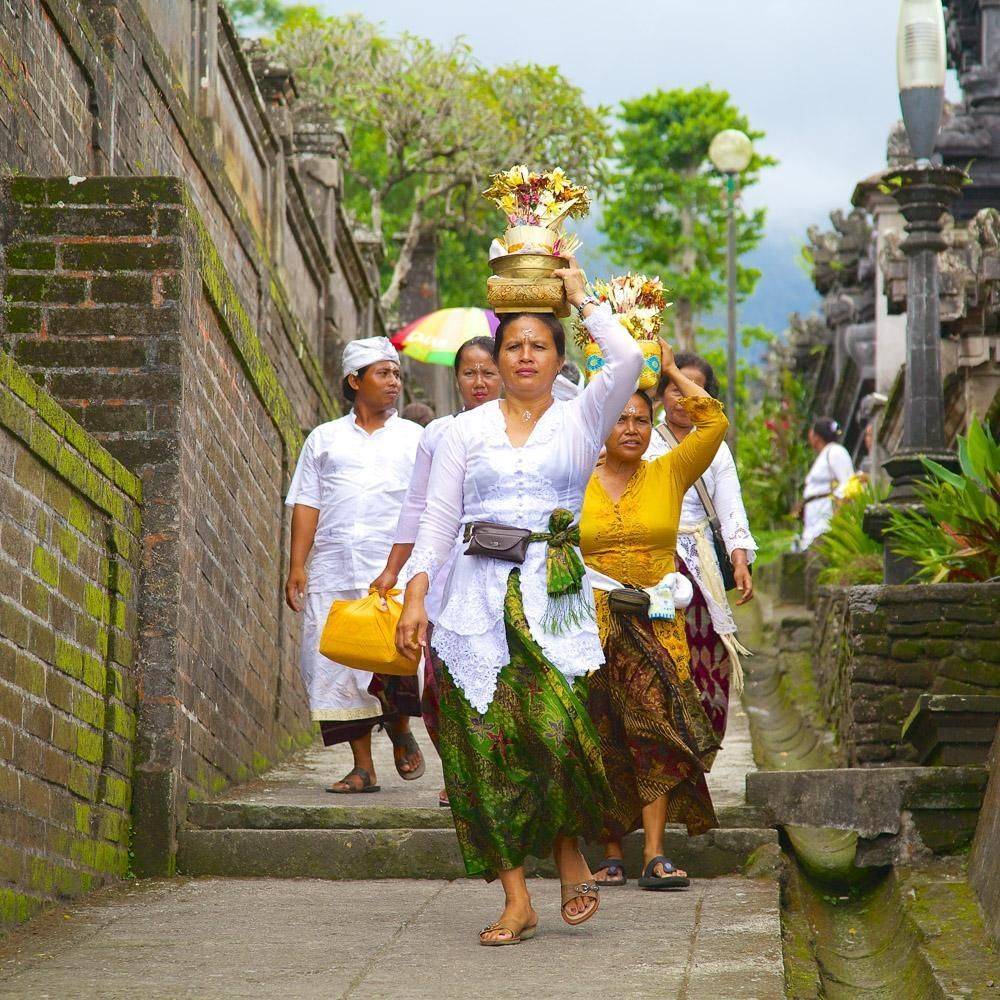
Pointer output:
x,y
721,552
497,541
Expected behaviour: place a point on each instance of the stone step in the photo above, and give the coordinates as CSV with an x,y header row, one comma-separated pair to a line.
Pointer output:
x,y
375,853
242,815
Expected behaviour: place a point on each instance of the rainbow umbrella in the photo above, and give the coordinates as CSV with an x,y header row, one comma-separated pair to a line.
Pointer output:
x,y
436,337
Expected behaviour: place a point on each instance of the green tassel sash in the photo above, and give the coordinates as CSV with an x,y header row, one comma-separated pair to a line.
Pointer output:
x,y
567,608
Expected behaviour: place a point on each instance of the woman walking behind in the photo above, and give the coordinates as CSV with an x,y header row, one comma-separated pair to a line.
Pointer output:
x,y
656,740
709,622
478,381
827,475
514,642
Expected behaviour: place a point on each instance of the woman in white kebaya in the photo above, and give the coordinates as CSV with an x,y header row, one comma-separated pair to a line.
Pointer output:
x,y
478,380
515,639
346,494
826,478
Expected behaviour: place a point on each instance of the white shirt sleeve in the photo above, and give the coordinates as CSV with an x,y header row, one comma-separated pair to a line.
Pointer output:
x,y
445,505
416,495
841,466
728,500
602,401
306,487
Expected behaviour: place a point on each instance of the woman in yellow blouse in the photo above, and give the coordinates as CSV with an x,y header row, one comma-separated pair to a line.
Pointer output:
x,y
656,740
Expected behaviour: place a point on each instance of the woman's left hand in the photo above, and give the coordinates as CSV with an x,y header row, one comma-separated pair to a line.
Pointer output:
x,y
574,280
666,355
744,582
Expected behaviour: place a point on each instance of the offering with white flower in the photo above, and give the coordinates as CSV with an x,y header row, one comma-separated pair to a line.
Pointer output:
x,y
638,301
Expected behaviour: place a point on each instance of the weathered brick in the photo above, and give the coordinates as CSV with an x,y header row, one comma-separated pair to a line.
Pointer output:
x,y
45,288
130,256
31,256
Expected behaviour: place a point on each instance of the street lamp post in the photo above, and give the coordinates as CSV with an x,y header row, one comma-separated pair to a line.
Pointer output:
x,y
924,193
731,152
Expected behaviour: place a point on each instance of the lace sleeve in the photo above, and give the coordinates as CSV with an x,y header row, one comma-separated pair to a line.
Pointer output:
x,y
602,401
444,507
728,499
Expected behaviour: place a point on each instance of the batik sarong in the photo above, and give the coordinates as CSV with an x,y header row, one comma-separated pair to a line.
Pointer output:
x,y
656,739
529,768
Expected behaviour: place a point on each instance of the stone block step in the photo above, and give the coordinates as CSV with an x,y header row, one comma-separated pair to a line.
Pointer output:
x,y
241,815
422,853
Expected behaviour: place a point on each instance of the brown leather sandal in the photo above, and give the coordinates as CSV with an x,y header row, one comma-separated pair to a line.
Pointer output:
x,y
367,785
582,890
516,937
408,742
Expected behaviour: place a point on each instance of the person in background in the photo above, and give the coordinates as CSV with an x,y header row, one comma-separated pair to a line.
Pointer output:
x,y
419,413
709,622
830,471
345,496
478,381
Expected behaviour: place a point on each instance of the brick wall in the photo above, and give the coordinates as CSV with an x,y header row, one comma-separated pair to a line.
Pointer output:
x,y
876,649
69,552
117,300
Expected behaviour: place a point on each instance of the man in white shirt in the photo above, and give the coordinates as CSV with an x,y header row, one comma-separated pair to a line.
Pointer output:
x,y
346,494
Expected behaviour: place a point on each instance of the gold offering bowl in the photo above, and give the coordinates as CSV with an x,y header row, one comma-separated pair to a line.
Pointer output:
x,y
527,265
523,282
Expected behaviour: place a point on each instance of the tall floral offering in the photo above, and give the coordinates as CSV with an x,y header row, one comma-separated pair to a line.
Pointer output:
x,y
536,206
638,301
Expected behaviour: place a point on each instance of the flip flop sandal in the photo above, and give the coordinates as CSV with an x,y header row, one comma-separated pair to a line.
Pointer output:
x,y
586,890
661,882
615,868
355,772
526,934
409,743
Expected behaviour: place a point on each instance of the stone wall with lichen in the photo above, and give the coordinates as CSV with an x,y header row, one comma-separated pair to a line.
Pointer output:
x,y
876,649
116,300
69,558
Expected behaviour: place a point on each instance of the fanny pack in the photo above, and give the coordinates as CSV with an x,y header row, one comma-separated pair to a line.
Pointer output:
x,y
628,601
497,541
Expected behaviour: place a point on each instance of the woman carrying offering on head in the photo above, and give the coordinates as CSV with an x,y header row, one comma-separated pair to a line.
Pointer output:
x,y
478,381
656,740
711,628
514,639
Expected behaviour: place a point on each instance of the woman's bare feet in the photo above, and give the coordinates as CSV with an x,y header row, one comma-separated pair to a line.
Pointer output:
x,y
517,917
573,870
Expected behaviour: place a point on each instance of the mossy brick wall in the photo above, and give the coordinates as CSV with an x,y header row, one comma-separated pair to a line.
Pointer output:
x,y
69,558
116,299
876,649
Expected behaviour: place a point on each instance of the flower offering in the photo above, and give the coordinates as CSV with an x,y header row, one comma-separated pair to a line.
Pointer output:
x,y
638,301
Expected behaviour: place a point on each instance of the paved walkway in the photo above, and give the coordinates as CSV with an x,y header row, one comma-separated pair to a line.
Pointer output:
x,y
216,939
302,780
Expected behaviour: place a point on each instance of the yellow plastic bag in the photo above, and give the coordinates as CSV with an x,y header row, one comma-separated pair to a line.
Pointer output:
x,y
361,634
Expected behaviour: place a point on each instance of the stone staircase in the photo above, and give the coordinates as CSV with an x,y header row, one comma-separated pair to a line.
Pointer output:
x,y
286,825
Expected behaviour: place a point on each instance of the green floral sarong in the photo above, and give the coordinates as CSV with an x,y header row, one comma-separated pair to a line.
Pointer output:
x,y
530,768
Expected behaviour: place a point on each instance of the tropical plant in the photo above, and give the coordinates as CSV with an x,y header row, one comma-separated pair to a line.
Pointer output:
x,y
954,533
772,455
851,556
668,213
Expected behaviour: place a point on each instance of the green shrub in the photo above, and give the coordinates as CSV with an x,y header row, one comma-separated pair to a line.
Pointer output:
x,y
955,534
851,557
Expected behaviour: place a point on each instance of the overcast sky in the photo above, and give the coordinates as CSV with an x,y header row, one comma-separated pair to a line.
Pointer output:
x,y
817,77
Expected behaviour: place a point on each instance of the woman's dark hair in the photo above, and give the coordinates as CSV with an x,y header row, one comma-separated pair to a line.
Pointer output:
x,y
645,398
554,327
483,343
688,359
349,392
826,429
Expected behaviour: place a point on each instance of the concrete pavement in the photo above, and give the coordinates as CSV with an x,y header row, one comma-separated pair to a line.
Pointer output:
x,y
221,939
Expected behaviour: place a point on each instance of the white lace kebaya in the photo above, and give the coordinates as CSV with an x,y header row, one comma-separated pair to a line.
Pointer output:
x,y
478,475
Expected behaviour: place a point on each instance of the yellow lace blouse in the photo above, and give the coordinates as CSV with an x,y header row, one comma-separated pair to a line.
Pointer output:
x,y
633,540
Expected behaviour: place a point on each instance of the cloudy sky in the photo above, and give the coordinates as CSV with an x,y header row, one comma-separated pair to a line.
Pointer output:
x,y
817,77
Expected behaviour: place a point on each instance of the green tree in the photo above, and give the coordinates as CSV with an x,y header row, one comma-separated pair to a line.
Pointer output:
x,y
667,209
426,125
